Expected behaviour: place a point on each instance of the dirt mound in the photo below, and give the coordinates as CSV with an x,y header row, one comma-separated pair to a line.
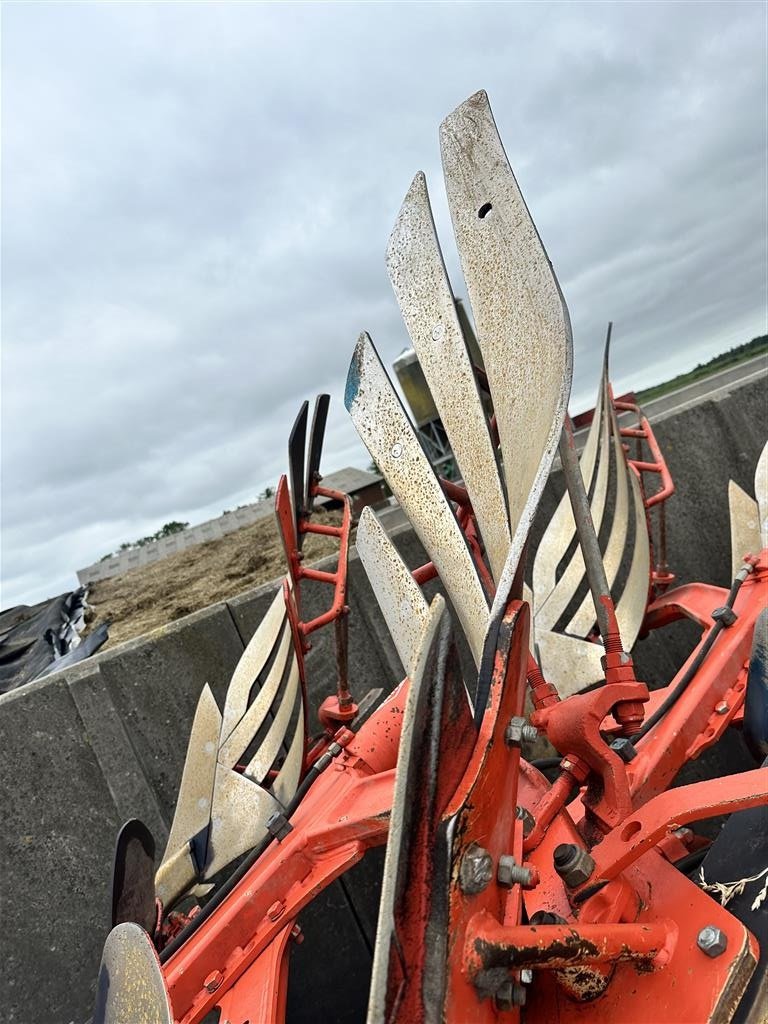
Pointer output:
x,y
154,595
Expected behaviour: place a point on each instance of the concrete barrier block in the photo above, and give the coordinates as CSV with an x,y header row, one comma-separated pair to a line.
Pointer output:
x,y
57,844
106,735
154,684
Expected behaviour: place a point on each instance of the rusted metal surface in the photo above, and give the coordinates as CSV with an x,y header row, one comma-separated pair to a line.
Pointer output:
x,y
388,435
522,322
436,741
490,944
402,603
420,282
130,986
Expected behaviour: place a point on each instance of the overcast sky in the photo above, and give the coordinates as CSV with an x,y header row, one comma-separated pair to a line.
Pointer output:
x,y
196,201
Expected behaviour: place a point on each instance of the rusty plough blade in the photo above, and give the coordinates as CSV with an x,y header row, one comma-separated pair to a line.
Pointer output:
x,y
508,894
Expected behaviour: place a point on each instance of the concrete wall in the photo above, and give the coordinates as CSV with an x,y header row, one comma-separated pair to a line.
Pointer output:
x,y
156,550
365,489
90,746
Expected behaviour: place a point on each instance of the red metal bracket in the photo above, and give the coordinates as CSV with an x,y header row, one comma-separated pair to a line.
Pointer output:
x,y
661,577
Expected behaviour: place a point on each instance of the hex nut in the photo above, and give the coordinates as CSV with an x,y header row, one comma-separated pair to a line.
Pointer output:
x,y
573,864
476,870
712,940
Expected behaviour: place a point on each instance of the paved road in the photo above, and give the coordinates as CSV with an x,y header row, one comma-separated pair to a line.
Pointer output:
x,y
700,390
751,369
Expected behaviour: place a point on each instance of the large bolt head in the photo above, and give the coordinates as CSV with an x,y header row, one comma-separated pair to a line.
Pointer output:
x,y
712,940
476,870
573,864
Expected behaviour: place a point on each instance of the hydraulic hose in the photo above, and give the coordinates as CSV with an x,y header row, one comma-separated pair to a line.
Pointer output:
x,y
715,630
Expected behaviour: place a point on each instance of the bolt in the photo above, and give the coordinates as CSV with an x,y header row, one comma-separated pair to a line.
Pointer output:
x,y
519,730
722,708
510,872
528,820
476,870
438,331
624,748
397,450
509,995
526,976
712,940
573,864
213,981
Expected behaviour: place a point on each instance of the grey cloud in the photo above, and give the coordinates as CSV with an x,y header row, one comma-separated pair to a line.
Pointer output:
x,y
197,198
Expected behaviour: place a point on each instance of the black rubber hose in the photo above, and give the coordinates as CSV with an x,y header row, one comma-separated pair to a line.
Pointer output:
x,y
715,631
242,869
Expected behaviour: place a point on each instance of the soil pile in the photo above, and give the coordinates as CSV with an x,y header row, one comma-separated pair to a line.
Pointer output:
x,y
154,595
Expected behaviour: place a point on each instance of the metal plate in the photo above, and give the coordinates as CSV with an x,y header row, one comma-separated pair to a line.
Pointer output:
x,y
761,493
630,608
240,812
133,890
285,785
269,747
435,744
402,603
745,526
615,549
522,322
549,611
296,450
193,805
420,282
251,663
561,528
241,736
130,988
388,435
316,437
569,663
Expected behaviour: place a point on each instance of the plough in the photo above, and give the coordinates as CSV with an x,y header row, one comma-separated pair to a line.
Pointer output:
x,y
514,888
